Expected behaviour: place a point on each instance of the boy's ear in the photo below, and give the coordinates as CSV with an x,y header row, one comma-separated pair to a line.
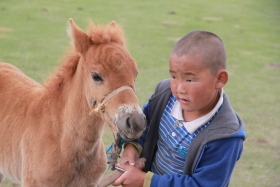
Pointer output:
x,y
222,78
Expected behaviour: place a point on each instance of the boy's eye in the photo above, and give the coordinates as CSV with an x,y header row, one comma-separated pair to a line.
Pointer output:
x,y
189,80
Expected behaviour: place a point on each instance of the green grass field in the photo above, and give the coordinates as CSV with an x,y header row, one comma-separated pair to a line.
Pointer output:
x,y
33,37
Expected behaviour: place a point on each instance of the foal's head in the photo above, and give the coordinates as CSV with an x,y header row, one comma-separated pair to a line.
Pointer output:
x,y
109,73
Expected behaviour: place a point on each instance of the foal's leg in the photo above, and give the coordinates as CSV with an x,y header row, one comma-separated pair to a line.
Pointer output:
x,y
1,178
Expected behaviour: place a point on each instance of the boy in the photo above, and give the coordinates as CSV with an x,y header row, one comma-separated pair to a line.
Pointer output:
x,y
193,136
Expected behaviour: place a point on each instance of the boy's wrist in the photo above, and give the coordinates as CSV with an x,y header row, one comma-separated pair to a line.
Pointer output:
x,y
137,146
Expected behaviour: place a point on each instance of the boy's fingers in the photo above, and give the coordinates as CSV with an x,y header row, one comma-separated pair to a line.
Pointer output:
x,y
124,161
131,162
119,181
128,161
123,166
140,165
122,178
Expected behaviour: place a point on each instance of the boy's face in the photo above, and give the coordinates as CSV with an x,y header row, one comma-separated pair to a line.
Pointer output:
x,y
193,85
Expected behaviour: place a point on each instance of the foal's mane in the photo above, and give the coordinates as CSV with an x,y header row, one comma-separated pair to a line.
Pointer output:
x,y
98,34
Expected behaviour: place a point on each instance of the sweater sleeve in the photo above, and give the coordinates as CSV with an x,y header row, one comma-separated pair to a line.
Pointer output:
x,y
214,167
146,111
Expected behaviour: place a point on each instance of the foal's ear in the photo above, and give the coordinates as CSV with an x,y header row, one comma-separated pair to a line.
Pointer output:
x,y
80,38
118,36
113,24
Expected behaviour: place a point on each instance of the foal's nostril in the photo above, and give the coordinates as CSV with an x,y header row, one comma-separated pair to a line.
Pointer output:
x,y
128,123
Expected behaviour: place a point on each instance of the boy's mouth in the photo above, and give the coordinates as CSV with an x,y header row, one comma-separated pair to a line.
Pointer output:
x,y
183,101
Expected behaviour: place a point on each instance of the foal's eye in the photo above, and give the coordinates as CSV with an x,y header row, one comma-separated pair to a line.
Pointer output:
x,y
97,77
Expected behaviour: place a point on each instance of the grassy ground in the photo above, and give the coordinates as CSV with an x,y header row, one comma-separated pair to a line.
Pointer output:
x,y
33,37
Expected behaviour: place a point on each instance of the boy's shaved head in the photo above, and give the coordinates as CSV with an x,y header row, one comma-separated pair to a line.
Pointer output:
x,y
205,46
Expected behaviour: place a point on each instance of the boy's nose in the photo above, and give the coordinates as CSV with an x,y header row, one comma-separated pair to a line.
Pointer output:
x,y
181,88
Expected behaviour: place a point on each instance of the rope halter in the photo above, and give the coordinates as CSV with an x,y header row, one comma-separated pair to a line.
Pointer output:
x,y
100,106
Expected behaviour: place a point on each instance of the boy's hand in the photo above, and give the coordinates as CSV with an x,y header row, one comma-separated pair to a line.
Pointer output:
x,y
133,177
130,155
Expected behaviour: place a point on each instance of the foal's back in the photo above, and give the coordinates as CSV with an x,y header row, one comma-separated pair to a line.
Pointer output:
x,y
13,80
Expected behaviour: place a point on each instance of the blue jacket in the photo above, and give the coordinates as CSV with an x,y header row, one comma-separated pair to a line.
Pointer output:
x,y
211,156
